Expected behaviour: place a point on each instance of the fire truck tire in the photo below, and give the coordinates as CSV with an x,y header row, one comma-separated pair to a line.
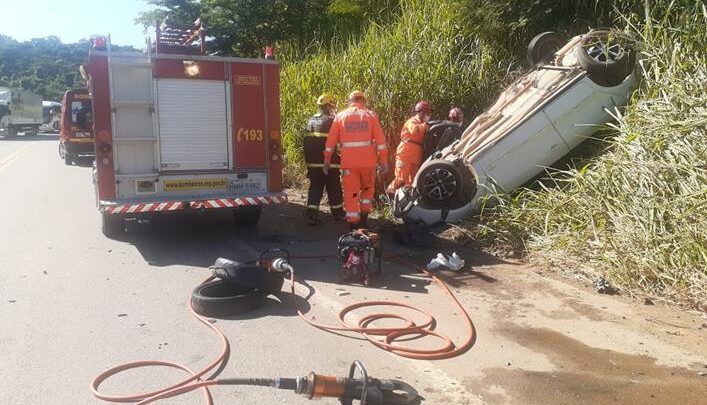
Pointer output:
x,y
112,225
62,150
247,216
219,299
68,159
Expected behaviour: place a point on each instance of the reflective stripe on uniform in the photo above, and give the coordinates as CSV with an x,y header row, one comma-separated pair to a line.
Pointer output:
x,y
314,165
318,134
381,146
353,215
336,207
359,144
328,149
313,207
366,201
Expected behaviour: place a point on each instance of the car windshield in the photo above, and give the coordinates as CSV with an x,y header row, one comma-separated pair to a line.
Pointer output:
x,y
81,114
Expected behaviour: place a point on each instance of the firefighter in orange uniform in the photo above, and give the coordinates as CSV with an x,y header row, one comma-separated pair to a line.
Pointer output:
x,y
408,156
360,137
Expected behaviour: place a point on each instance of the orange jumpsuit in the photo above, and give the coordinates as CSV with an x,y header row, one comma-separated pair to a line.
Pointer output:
x,y
408,156
361,141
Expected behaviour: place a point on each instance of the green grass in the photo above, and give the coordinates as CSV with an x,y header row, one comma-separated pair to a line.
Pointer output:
x,y
422,55
638,213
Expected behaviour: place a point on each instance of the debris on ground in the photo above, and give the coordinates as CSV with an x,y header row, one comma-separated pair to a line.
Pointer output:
x,y
342,293
602,286
453,262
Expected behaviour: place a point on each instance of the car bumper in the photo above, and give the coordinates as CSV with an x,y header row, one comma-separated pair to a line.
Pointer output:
x,y
80,148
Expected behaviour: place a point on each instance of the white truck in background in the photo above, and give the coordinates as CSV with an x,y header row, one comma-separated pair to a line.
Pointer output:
x,y
20,111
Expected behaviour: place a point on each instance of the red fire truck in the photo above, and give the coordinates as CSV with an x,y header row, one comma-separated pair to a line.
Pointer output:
x,y
177,130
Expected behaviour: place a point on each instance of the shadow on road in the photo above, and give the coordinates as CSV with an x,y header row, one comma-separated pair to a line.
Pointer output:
x,y
198,240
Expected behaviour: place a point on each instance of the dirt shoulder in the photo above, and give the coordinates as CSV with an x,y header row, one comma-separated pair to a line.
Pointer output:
x,y
547,339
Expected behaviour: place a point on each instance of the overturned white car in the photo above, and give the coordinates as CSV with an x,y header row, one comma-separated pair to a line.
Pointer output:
x,y
534,123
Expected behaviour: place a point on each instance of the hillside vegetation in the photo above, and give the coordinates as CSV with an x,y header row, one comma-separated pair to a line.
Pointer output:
x,y
43,65
637,214
424,54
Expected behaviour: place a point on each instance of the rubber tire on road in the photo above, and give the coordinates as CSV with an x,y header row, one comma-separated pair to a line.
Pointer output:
x,y
112,225
610,73
542,48
62,151
221,299
453,197
247,216
68,159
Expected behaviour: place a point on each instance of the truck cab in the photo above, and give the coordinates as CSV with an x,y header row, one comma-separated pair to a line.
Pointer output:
x,y
76,126
179,131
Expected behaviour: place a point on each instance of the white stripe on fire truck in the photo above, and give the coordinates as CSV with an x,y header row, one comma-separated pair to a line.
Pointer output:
x,y
251,201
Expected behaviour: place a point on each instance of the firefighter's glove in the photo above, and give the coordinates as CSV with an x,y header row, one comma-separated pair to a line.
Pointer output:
x,y
325,168
382,169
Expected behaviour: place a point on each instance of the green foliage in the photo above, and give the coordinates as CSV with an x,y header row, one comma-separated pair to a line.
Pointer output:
x,y
43,65
245,27
637,214
422,55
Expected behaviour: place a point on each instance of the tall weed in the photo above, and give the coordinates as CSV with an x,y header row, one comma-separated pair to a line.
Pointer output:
x,y
637,214
423,55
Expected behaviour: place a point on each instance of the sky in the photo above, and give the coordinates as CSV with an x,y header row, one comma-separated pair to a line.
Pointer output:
x,y
71,20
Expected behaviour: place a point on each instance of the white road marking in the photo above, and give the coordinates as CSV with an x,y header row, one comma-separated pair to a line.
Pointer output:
x,y
9,159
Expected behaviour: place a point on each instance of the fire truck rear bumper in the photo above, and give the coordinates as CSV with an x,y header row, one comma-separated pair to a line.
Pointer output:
x,y
147,207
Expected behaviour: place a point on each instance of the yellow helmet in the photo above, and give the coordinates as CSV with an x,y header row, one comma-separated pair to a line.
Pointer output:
x,y
356,95
326,99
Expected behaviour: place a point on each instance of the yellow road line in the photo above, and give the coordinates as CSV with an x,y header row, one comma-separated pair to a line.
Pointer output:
x,y
4,163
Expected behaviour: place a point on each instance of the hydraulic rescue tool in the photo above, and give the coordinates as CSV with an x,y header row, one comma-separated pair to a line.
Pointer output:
x,y
361,388
365,389
360,255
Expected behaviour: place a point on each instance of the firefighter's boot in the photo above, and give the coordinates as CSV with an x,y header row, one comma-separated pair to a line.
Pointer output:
x,y
338,214
313,217
363,223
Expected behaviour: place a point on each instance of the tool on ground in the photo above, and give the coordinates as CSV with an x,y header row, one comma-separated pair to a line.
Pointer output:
x,y
360,255
366,390
385,337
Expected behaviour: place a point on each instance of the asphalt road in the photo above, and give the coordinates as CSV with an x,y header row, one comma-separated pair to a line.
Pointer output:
x,y
74,303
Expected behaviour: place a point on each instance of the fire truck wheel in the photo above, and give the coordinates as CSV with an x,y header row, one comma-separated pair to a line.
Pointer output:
x,y
221,299
246,216
62,150
68,159
112,225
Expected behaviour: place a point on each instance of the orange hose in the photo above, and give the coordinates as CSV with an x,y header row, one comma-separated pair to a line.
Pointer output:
x,y
448,350
189,384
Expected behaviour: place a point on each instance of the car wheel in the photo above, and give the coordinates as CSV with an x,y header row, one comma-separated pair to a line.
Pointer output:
x,y
439,183
68,158
112,225
62,150
247,216
606,56
542,48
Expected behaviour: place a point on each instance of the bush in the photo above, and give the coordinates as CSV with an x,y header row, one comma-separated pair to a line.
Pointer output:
x,y
422,55
637,214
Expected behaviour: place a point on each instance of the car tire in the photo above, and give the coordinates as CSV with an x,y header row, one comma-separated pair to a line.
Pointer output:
x,y
607,63
247,216
218,298
440,184
68,159
542,48
62,151
112,225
